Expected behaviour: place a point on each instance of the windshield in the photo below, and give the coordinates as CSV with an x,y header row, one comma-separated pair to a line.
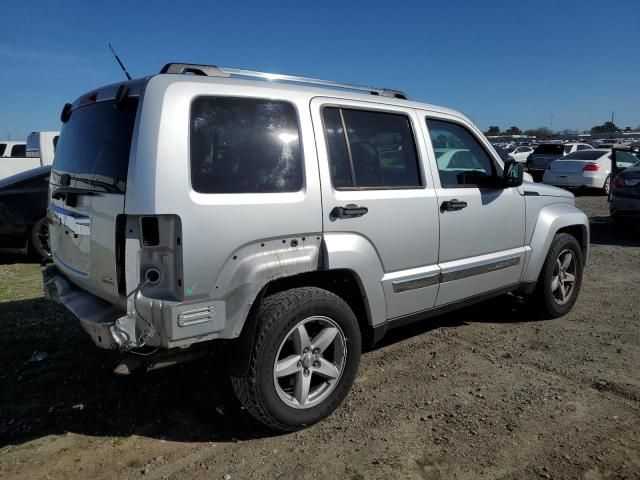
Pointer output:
x,y
94,145
549,149
585,155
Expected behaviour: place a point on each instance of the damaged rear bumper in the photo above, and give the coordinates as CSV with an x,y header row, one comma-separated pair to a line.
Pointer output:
x,y
109,326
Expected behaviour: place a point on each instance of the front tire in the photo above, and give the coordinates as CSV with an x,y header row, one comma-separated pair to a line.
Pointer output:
x,y
39,238
560,278
304,359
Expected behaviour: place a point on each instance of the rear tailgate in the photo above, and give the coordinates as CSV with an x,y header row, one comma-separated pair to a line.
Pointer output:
x,y
87,191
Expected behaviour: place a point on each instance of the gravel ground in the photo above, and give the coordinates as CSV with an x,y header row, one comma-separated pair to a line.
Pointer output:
x,y
486,392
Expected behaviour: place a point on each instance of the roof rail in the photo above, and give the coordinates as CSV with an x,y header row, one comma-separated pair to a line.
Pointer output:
x,y
214,71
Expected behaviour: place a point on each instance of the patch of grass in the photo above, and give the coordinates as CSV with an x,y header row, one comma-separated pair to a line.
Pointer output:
x,y
117,441
20,281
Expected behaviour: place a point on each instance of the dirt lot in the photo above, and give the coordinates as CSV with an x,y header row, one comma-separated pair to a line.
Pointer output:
x,y
487,392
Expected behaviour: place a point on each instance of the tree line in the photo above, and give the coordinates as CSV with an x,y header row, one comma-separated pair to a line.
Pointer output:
x,y
606,127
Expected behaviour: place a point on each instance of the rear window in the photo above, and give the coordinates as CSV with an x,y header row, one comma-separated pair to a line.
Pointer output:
x,y
550,149
244,145
18,151
585,155
94,146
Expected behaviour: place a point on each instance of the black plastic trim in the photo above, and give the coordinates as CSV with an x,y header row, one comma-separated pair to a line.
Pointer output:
x,y
379,331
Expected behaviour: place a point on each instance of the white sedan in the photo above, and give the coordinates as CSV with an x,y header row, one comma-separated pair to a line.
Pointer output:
x,y
521,153
584,168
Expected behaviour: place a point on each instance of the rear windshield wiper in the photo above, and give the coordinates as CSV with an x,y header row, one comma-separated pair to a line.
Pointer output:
x,y
61,192
108,187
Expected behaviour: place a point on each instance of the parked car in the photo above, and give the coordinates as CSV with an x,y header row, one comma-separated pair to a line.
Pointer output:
x,y
520,154
543,154
624,198
23,213
12,149
502,152
38,151
294,220
585,168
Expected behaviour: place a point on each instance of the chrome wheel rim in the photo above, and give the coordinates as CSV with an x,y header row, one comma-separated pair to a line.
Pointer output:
x,y
563,281
310,362
607,185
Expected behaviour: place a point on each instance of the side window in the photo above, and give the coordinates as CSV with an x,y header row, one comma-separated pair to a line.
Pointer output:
x,y
625,159
244,145
370,149
3,147
583,147
460,158
18,151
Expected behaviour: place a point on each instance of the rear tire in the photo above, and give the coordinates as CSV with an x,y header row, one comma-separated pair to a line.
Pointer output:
x,y
39,238
560,279
304,359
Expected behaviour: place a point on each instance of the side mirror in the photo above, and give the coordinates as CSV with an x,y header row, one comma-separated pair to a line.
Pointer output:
x,y
513,174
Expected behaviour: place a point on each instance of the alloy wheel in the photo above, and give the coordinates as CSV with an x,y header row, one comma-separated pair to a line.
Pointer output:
x,y
310,362
564,276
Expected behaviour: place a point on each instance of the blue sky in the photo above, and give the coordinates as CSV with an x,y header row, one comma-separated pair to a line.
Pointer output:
x,y
502,63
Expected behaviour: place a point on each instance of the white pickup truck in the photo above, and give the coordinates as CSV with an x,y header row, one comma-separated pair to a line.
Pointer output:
x,y
12,149
39,151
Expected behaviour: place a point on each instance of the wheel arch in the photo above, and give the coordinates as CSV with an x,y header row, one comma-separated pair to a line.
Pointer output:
x,y
344,283
554,219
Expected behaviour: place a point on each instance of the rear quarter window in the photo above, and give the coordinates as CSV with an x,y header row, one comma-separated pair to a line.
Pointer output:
x,y
244,145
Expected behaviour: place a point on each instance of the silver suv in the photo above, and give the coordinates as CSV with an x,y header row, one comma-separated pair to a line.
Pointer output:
x,y
294,219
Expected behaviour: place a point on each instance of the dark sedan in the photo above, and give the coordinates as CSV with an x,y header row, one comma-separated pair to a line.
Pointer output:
x,y
23,213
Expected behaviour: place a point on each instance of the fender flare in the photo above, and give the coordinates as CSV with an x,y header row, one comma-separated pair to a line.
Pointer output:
x,y
552,219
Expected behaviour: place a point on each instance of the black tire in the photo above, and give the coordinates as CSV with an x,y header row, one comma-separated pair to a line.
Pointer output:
x,y
277,316
606,187
39,239
548,305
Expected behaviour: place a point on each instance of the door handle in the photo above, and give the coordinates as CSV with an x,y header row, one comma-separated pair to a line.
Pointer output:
x,y
348,211
452,205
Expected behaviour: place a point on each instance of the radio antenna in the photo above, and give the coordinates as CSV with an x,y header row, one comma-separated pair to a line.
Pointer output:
x,y
124,69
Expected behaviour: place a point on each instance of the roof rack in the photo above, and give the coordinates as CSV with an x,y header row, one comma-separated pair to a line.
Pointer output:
x,y
214,71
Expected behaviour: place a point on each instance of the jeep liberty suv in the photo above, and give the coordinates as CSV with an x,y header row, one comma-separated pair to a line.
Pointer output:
x,y
292,218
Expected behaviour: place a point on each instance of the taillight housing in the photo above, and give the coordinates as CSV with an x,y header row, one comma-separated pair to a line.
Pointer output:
x,y
619,182
591,167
